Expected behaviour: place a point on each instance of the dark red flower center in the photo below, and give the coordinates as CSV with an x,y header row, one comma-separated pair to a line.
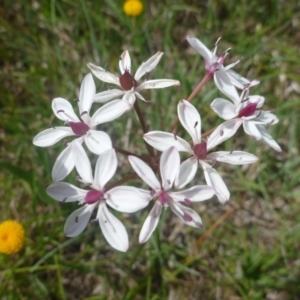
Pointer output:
x,y
200,150
127,81
163,198
93,196
79,128
248,110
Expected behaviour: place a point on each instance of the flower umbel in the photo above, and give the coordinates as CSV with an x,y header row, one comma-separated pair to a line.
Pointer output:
x,y
12,237
133,8
166,174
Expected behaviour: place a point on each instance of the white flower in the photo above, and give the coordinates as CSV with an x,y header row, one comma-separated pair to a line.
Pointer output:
x,y
214,65
128,85
123,198
84,128
191,121
244,110
169,166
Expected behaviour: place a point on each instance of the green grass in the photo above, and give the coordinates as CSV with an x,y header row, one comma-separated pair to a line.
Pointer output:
x,y
253,253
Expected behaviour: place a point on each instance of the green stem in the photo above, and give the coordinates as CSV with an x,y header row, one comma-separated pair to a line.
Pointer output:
x,y
127,153
144,127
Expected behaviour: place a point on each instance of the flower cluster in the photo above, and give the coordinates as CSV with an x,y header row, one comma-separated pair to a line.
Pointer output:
x,y
166,174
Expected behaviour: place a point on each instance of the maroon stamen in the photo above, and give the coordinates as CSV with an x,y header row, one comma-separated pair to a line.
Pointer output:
x,y
200,150
271,122
248,110
258,114
127,81
246,99
79,128
93,196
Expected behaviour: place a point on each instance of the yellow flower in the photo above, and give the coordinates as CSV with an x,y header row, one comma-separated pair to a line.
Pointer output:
x,y
133,7
12,237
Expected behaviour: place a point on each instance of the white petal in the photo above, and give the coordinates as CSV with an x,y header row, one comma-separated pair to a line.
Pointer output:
x,y
104,75
125,62
107,95
129,97
186,173
78,220
195,194
150,222
157,84
145,193
230,66
223,132
63,110
169,166
202,50
267,139
163,140
97,141
112,229
190,120
214,180
106,167
64,164
140,96
148,65
266,118
51,136
86,94
144,172
224,108
128,199
257,99
224,84
65,192
233,157
186,214
251,129
82,162
237,80
110,111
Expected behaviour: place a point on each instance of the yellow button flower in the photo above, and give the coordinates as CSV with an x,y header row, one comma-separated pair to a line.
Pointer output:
x,y
133,7
12,237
